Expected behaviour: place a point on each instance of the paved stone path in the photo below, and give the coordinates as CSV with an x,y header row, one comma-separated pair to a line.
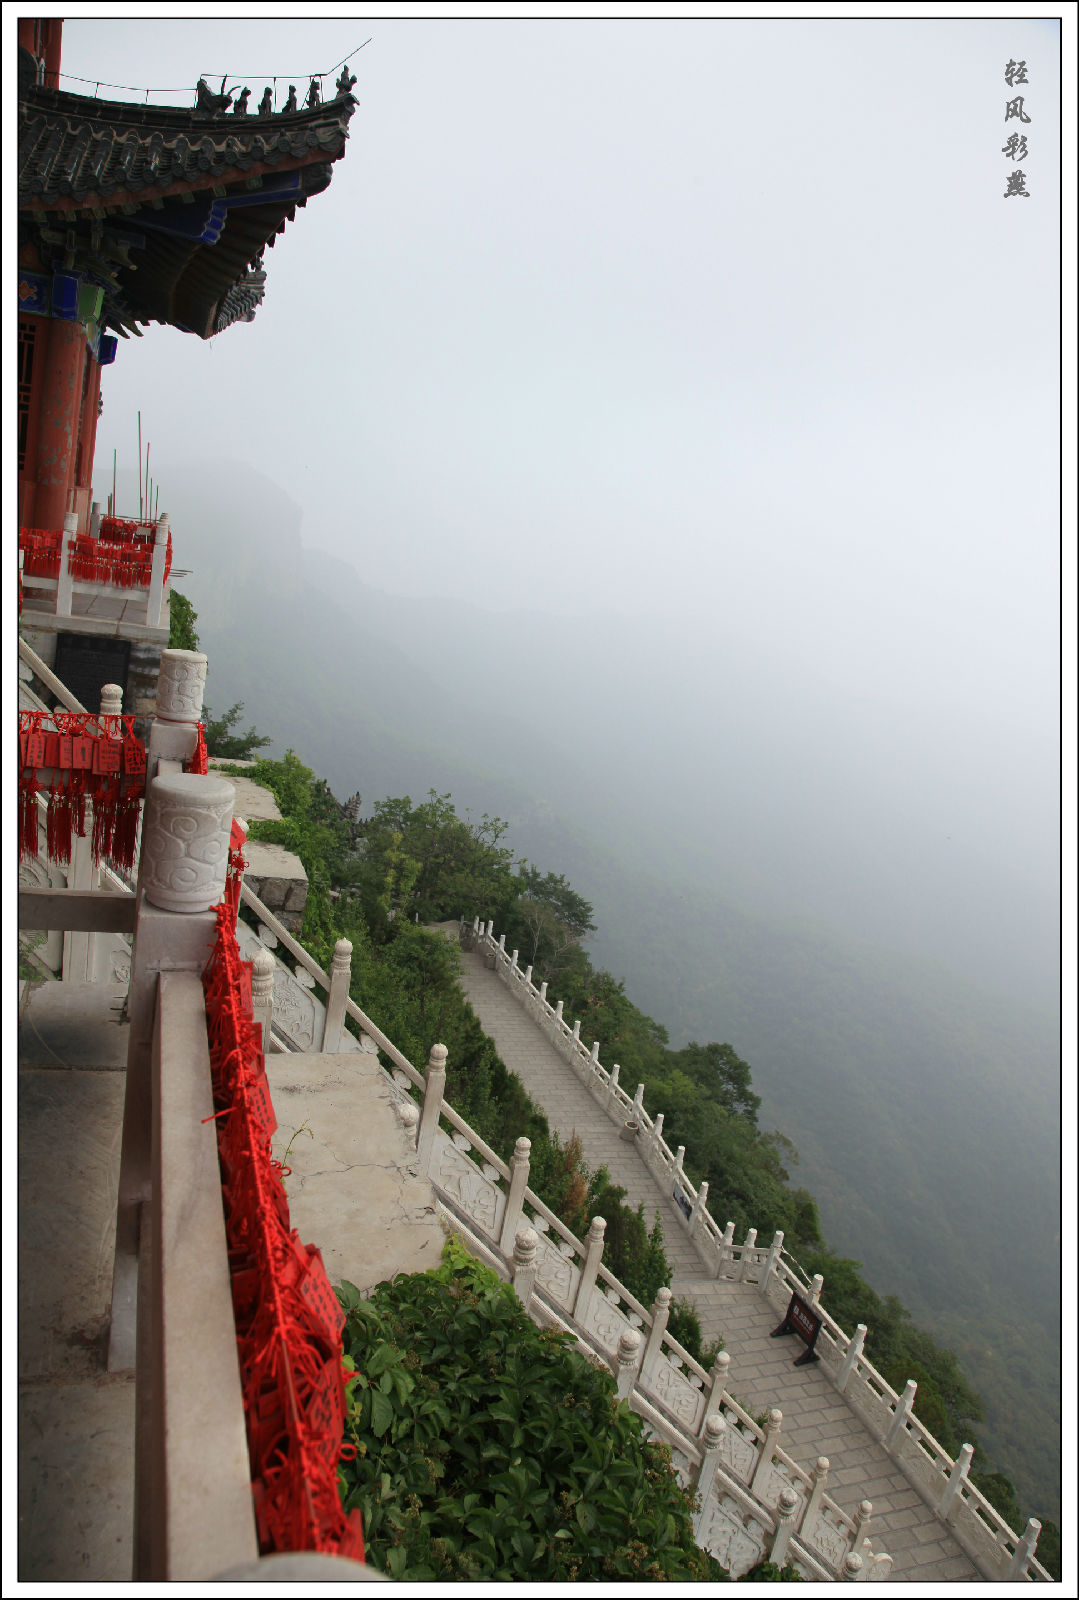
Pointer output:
x,y
816,1419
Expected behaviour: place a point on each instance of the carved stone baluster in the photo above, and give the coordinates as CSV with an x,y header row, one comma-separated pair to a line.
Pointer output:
x,y
781,1539
774,1254
525,1253
768,1446
661,1311
852,1357
262,981
1024,1552
589,1268
717,1388
899,1419
624,1363
956,1478
340,977
434,1089
515,1194
712,1435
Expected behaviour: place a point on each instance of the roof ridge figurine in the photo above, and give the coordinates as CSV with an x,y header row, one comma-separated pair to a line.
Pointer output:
x,y
290,103
345,81
240,108
206,100
266,103
314,94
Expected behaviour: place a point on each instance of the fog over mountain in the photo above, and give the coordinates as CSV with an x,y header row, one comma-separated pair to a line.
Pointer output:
x,y
894,998
651,437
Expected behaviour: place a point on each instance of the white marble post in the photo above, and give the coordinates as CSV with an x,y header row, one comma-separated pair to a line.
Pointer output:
x,y
712,1437
64,580
956,1478
852,1357
156,593
726,1250
525,1253
112,700
185,846
528,976
717,1386
624,1362
1024,1552
661,1311
262,981
772,1430
340,977
515,1193
852,1567
434,1089
819,1481
180,685
788,1500
95,520
186,830
861,1524
899,1417
816,1288
747,1254
589,1268
543,992
699,1206
774,1254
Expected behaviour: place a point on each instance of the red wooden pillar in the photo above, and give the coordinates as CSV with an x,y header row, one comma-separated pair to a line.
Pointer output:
x,y
58,385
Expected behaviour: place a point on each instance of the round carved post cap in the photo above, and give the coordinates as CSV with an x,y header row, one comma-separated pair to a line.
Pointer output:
x,y
180,685
186,840
525,1247
112,700
522,1149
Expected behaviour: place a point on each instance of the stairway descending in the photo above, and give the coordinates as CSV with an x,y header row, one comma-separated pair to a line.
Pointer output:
x,y
816,1420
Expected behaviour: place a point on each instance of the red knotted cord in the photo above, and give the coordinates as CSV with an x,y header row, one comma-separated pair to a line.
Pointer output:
x,y
288,1322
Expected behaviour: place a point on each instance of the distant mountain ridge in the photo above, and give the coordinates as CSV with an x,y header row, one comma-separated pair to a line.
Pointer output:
x,y
932,1164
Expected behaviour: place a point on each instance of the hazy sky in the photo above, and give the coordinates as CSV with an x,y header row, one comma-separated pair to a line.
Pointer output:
x,y
620,315
728,320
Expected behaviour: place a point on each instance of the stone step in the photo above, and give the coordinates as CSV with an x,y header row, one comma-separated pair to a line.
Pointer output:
x,y
816,1419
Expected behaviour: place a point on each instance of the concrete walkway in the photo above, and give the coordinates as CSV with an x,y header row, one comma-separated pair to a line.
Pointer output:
x,y
816,1419
76,1420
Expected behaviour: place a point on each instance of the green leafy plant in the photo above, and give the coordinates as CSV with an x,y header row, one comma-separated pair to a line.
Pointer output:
x,y
182,619
489,1449
221,741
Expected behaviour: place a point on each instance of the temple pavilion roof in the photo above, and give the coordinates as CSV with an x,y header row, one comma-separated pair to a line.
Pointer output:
x,y
167,210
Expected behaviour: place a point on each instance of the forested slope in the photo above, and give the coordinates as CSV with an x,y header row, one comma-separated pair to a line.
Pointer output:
x,y
925,1109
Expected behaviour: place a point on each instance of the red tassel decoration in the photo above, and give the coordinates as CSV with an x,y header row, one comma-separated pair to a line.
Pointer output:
x,y
28,814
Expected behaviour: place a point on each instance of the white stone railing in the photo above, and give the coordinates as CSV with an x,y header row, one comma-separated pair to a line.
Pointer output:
x,y
1000,1554
147,604
756,1500
738,1467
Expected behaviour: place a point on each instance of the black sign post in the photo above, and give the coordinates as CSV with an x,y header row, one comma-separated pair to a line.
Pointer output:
x,y
802,1320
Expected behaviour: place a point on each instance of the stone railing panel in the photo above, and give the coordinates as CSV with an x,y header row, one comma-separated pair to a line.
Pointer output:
x,y
732,1535
467,1185
681,1393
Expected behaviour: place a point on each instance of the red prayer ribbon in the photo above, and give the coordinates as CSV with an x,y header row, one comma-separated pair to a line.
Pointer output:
x,y
288,1321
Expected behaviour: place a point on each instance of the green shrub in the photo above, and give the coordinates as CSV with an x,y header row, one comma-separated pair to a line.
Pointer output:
x,y
489,1449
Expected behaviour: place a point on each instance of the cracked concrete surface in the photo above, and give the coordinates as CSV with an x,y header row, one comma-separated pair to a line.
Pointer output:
x,y
354,1189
